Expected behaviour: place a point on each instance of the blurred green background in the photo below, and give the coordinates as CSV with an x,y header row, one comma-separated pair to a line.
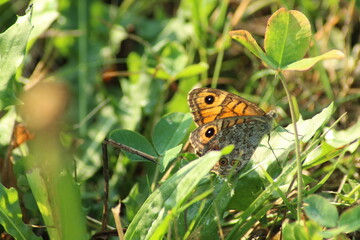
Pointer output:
x,y
125,64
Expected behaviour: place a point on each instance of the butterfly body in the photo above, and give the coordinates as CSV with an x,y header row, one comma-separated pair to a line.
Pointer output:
x,y
223,119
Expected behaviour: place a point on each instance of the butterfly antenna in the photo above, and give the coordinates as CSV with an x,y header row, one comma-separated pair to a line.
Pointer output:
x,y
272,150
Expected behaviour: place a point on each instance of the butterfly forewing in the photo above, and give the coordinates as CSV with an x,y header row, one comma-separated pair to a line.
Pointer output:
x,y
209,104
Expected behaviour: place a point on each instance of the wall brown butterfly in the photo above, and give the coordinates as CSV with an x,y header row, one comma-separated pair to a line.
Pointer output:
x,y
224,118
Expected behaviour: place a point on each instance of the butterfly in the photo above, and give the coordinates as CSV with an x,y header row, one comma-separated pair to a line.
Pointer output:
x,y
224,118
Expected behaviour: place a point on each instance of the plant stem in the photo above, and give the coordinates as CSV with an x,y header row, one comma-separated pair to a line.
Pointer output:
x,y
297,147
83,70
220,56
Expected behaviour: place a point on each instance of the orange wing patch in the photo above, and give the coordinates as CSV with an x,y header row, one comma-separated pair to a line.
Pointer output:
x,y
209,104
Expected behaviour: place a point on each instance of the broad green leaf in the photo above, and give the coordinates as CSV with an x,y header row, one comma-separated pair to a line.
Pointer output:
x,y
246,190
12,47
141,93
65,198
307,128
63,193
37,183
173,58
282,141
134,140
306,63
339,139
168,156
163,205
10,215
349,222
45,13
287,37
350,219
321,211
288,231
320,155
296,231
135,200
300,232
313,230
246,39
210,211
193,70
170,131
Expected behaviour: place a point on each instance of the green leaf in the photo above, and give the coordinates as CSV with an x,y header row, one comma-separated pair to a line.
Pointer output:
x,y
37,183
350,220
168,156
173,58
10,215
300,232
246,39
296,231
159,73
306,63
45,13
339,139
7,122
163,205
307,128
214,207
246,190
314,230
282,140
138,90
288,231
287,37
193,70
321,211
135,200
320,155
12,47
237,232
170,131
134,140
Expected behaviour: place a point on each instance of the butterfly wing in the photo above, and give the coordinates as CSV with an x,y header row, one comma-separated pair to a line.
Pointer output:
x,y
244,132
209,104
245,138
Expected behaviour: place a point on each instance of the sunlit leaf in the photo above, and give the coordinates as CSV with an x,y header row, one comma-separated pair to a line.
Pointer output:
x,y
134,140
321,211
287,37
306,63
246,39
170,131
163,205
12,47
10,215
